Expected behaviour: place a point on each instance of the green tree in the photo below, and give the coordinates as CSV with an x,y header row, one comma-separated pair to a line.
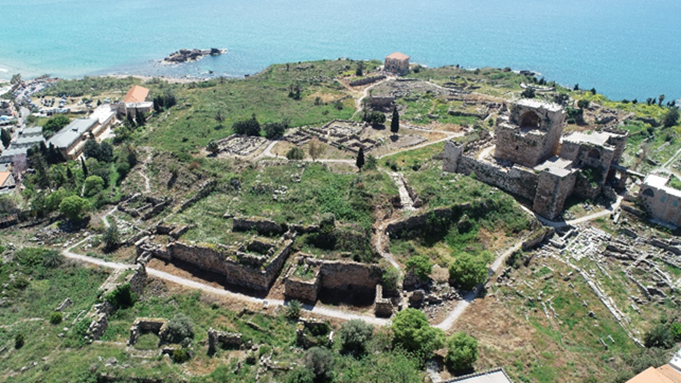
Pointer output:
x,y
111,237
18,341
395,122
468,271
528,93
249,127
93,185
140,118
675,329
372,163
354,336
275,129
360,159
360,68
295,153
420,265
180,355
55,124
52,259
414,333
320,362
391,278
671,117
5,137
374,118
583,104
74,207
462,352
660,99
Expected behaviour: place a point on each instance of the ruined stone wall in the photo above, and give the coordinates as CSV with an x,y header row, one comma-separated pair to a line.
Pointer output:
x,y
451,156
263,226
204,191
137,280
367,80
516,180
343,275
302,290
552,191
584,189
597,157
522,148
383,307
207,258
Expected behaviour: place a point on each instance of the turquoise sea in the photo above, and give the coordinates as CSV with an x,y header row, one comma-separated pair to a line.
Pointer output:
x,y
623,48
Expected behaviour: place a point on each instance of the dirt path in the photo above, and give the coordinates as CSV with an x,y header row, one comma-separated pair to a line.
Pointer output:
x,y
105,217
560,224
143,173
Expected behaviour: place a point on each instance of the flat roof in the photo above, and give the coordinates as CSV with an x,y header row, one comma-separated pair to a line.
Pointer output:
x,y
71,132
136,94
398,56
651,375
33,130
660,182
3,177
593,137
27,140
556,165
12,152
532,103
493,376
102,113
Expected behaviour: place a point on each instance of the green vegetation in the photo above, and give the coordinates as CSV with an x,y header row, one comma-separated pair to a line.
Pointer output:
x,y
180,330
121,297
468,271
413,332
462,352
293,310
355,335
56,317
420,265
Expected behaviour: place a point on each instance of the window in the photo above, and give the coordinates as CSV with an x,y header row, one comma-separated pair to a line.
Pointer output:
x,y
664,197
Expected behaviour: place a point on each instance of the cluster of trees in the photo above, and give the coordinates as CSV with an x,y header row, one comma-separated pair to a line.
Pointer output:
x,y
466,272
55,124
164,101
251,127
373,118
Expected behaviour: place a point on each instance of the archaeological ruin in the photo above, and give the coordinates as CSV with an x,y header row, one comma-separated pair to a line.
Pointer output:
x,y
530,157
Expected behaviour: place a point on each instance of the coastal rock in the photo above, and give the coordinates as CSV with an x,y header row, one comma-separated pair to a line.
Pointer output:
x,y
190,55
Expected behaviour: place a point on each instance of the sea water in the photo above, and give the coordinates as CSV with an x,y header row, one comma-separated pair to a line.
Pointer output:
x,y
623,48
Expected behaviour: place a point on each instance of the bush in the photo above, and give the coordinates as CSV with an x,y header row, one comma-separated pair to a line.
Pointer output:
x,y
247,127
19,341
93,185
391,278
462,353
414,333
468,271
121,297
56,317
275,129
354,336
659,336
675,329
320,362
528,93
295,153
671,117
52,259
293,310
583,104
299,375
179,329
54,124
180,355
372,163
420,265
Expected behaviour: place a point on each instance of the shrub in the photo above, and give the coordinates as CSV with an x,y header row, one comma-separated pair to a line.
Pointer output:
x,y
293,310
247,127
528,93
320,362
52,259
372,163
420,265
671,117
299,375
54,124
56,317
121,297
675,329
295,153
93,185
275,129
180,355
391,278
179,329
659,336
468,271
462,353
414,333
583,104
19,341
354,336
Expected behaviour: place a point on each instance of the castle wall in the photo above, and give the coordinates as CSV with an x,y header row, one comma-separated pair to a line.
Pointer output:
x,y
552,191
516,180
660,204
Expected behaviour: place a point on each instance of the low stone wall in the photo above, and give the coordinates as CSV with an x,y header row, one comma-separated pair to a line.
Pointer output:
x,y
383,307
537,237
263,226
344,275
223,339
146,325
204,191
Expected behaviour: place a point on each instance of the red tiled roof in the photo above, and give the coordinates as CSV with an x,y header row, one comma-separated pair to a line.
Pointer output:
x,y
136,94
398,56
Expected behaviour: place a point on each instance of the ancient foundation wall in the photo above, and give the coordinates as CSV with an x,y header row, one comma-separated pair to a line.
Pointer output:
x,y
552,191
342,275
263,226
302,290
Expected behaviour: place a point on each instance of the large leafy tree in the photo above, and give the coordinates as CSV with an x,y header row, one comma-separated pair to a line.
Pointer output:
x,y
74,207
414,333
468,271
462,352
55,123
354,336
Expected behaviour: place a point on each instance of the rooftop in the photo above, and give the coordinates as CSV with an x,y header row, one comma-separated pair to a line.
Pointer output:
x,y
536,104
3,177
71,132
398,56
492,376
593,137
556,165
32,131
136,94
28,141
660,182
651,375
102,113
12,152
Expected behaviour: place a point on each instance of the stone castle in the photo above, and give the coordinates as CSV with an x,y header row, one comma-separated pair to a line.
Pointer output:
x,y
532,158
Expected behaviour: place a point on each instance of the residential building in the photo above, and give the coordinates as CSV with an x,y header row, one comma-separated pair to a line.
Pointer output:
x,y
6,108
660,200
7,182
71,139
134,101
397,63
